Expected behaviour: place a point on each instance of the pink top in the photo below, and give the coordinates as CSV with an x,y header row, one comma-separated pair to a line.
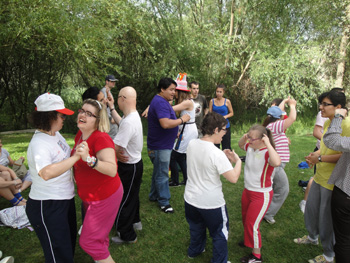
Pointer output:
x,y
280,139
91,184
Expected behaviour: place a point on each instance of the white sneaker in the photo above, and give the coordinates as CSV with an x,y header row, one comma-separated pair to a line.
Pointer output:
x,y
302,205
8,260
138,226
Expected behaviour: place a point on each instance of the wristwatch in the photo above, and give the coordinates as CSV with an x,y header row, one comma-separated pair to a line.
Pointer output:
x,y
88,159
319,158
339,115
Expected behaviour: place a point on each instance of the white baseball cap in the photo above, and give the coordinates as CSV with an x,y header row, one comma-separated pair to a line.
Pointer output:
x,y
51,102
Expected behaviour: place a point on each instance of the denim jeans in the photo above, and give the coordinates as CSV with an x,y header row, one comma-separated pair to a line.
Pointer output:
x,y
160,177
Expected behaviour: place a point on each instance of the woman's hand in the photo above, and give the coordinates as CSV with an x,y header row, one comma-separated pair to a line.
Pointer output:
x,y
82,150
17,183
312,159
232,156
266,140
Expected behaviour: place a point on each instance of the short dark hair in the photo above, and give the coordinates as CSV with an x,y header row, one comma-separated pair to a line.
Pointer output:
x,y
91,93
277,101
212,121
194,83
336,97
43,119
165,83
337,89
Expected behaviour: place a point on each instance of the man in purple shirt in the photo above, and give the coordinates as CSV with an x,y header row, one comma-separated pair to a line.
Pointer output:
x,y
162,132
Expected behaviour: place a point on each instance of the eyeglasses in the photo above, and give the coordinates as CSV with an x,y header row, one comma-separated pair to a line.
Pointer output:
x,y
252,140
224,129
325,104
63,117
120,96
87,113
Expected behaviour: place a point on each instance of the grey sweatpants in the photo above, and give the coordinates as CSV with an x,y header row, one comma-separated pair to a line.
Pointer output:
x,y
280,191
318,217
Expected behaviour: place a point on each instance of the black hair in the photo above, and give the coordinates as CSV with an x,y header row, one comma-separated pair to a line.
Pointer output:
x,y
277,101
337,89
336,97
165,83
212,121
43,119
91,93
194,83
263,130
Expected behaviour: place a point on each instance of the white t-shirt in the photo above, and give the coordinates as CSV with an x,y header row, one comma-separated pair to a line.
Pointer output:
x,y
320,122
44,150
205,164
258,173
130,137
4,157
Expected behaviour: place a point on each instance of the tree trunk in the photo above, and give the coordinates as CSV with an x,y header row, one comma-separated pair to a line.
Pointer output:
x,y
342,50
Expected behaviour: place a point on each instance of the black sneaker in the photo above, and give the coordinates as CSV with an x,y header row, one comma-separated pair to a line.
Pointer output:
x,y
251,259
167,209
172,184
183,183
241,243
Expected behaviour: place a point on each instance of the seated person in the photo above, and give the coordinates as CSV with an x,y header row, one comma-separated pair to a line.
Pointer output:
x,y
10,185
7,161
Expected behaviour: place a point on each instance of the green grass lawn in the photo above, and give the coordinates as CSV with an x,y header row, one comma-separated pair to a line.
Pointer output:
x,y
165,237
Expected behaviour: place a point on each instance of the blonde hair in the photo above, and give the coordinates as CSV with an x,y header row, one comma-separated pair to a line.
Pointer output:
x,y
102,121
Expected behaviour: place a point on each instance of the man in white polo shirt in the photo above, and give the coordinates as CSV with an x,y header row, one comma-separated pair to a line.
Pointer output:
x,y
128,144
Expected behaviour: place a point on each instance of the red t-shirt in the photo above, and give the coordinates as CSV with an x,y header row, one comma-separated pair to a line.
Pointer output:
x,y
93,185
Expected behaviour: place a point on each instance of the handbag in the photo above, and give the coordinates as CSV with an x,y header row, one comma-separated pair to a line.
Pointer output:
x,y
179,139
19,168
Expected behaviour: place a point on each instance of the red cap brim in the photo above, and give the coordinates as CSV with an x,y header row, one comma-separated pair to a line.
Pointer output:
x,y
66,111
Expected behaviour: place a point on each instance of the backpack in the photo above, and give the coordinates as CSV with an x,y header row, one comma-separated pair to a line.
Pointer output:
x,y
15,217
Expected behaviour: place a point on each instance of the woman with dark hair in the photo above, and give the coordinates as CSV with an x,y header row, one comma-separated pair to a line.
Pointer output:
x,y
318,216
188,132
257,194
222,106
98,183
205,205
277,124
50,207
94,93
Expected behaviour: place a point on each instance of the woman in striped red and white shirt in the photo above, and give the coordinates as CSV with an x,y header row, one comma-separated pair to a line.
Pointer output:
x,y
275,122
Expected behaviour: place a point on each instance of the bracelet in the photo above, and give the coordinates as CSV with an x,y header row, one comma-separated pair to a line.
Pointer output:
x,y
91,161
93,167
182,121
112,109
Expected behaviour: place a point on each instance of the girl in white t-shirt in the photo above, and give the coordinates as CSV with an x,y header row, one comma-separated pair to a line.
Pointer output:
x,y
261,158
205,206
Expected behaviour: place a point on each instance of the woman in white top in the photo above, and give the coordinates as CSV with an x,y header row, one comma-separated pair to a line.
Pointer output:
x,y
50,207
205,205
187,132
